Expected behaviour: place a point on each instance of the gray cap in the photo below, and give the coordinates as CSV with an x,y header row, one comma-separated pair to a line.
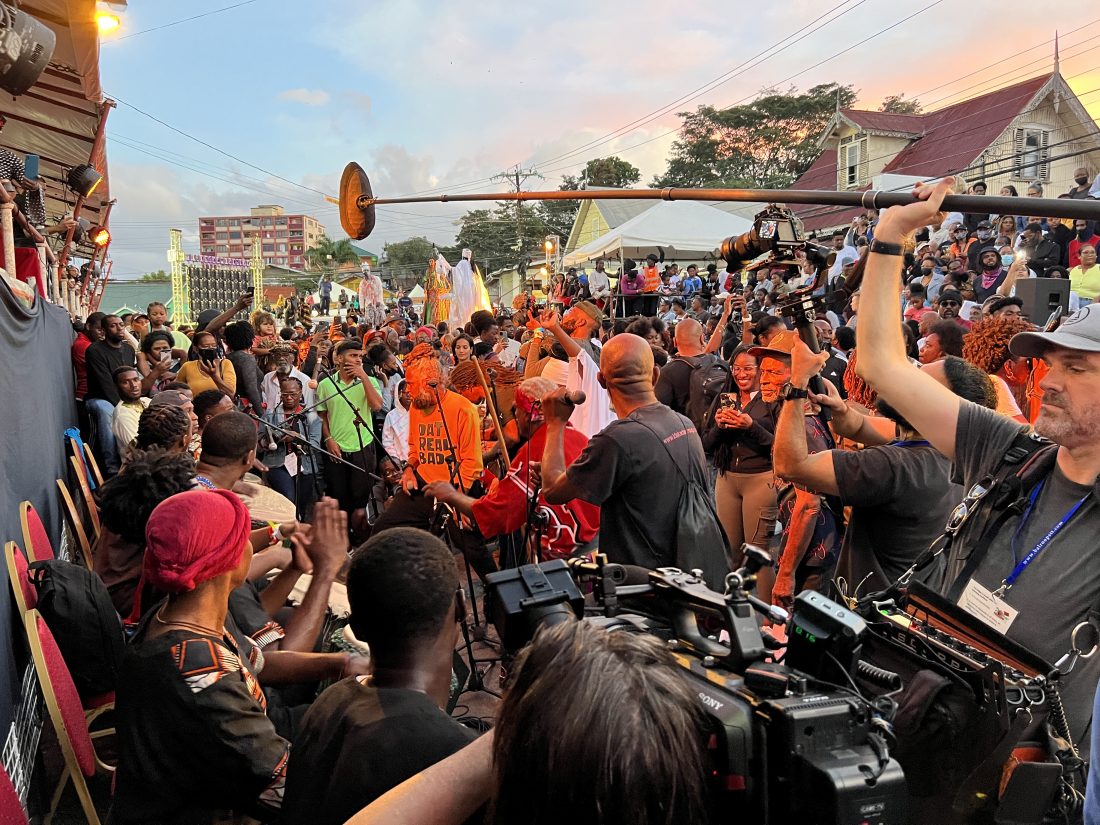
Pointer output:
x,y
1080,331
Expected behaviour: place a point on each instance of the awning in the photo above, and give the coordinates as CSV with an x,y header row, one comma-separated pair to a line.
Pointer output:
x,y
683,229
57,117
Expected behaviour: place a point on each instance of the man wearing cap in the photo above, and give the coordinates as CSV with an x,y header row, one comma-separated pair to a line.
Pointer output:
x,y
949,305
1032,571
990,273
582,321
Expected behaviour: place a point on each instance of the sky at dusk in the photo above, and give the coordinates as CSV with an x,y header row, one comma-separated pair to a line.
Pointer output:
x,y
427,95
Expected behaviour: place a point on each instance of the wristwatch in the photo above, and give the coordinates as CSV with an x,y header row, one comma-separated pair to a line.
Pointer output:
x,y
883,248
791,392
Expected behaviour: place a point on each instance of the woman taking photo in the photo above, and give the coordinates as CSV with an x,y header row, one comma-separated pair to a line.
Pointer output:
x,y
738,436
209,370
155,355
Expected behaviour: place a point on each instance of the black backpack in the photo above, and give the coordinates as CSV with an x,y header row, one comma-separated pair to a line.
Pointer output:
x,y
709,377
77,609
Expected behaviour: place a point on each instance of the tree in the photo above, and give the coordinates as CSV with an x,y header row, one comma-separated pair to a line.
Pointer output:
x,y
492,235
899,105
767,143
327,254
413,252
158,277
612,171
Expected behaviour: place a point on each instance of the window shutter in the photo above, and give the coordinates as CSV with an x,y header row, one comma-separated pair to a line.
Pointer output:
x,y
1017,153
863,163
1044,154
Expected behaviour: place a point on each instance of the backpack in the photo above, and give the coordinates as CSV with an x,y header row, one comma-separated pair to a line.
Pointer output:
x,y
709,377
701,543
77,608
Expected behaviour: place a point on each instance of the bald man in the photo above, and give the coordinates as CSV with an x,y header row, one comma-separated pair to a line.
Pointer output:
x,y
674,385
636,468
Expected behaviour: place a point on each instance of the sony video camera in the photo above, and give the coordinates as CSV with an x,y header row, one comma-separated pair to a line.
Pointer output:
x,y
789,741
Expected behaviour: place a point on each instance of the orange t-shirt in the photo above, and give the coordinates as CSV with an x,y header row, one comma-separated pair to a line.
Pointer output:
x,y
428,447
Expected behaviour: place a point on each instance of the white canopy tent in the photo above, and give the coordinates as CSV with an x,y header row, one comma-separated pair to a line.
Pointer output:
x,y
688,230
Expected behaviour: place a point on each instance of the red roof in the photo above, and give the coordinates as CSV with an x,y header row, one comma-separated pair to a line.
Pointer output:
x,y
950,139
885,121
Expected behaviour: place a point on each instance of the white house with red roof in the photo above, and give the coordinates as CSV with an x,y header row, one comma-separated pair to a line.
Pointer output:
x,y
1033,131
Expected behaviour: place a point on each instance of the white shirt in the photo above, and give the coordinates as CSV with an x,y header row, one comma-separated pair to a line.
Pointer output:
x,y
599,284
395,433
125,421
596,412
846,255
269,389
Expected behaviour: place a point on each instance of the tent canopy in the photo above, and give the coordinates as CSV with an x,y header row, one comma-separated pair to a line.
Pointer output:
x,y
683,229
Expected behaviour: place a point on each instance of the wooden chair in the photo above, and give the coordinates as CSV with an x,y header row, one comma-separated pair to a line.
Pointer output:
x,y
76,524
86,496
66,715
26,597
11,807
88,465
35,538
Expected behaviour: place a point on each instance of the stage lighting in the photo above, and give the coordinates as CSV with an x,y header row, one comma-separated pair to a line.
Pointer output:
x,y
83,179
100,235
26,46
107,17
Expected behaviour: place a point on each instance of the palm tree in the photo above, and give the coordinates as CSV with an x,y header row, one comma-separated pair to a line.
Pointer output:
x,y
328,254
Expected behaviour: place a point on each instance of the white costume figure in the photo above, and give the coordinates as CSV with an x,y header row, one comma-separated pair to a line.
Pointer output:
x,y
372,302
469,292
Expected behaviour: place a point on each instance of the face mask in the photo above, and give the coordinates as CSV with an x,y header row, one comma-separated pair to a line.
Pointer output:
x,y
984,234
1081,181
960,235
1083,234
1006,260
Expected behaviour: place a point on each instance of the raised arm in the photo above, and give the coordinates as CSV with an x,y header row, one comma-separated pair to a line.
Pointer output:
x,y
550,320
790,451
929,406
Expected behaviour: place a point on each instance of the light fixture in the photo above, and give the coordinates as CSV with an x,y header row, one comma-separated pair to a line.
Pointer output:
x,y
107,18
83,179
26,46
100,235
549,245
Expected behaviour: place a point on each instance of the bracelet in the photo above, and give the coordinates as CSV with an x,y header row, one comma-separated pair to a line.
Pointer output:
x,y
273,534
883,248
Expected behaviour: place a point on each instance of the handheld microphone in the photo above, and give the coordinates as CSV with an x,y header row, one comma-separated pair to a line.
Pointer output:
x,y
575,397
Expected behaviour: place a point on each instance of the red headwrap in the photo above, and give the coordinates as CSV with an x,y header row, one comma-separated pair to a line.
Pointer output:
x,y
193,537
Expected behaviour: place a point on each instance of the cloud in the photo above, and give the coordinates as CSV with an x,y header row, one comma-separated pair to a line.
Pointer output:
x,y
307,97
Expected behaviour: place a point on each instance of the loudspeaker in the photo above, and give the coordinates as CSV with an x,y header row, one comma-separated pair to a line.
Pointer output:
x,y
26,46
1041,296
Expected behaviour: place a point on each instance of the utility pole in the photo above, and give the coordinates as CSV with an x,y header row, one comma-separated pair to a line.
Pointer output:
x,y
515,178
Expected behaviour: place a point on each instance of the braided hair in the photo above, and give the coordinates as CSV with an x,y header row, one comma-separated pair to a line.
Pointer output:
x,y
147,479
163,426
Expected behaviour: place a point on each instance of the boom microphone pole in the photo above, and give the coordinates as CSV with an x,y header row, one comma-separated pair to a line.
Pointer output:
x,y
357,202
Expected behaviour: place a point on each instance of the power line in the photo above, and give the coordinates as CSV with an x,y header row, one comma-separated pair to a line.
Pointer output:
x,y
179,22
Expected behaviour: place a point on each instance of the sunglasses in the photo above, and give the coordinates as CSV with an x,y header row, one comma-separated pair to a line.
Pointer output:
x,y
950,304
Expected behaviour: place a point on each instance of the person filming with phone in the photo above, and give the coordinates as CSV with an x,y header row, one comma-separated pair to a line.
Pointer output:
x,y
210,370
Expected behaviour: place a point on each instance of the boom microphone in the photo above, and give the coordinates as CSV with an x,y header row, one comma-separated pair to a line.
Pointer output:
x,y
575,397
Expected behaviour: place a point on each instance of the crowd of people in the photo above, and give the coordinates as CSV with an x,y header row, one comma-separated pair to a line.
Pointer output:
x,y
666,421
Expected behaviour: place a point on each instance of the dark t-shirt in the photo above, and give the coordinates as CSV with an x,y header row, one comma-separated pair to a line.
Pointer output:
x,y
1062,585
193,740
628,472
673,387
901,497
100,361
357,742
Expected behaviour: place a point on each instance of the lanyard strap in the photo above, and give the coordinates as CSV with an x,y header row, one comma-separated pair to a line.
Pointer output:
x,y
913,442
1023,564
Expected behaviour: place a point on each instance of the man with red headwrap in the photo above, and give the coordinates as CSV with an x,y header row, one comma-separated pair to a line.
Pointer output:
x,y
194,741
504,508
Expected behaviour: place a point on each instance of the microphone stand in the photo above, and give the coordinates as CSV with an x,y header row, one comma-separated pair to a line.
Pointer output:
x,y
301,440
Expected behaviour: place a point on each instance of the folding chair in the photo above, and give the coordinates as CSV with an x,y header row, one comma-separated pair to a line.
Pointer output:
x,y
26,597
11,807
67,716
76,525
35,538
93,466
88,464
86,495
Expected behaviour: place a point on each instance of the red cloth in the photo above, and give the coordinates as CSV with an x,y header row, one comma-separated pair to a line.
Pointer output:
x,y
68,701
27,267
79,350
504,508
193,537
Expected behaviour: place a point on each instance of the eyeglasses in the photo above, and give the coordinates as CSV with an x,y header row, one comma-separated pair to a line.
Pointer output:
x,y
950,304
774,374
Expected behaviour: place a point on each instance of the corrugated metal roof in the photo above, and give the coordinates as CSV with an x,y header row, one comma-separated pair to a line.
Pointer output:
x,y
118,295
885,121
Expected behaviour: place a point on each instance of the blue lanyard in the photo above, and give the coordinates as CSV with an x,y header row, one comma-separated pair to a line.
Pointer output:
x,y
1022,565
916,442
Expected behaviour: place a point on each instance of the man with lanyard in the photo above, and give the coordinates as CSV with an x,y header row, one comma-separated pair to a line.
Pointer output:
x,y
346,400
291,464
1030,571
283,354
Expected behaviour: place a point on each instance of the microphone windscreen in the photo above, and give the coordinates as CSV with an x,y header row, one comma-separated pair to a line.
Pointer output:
x,y
575,397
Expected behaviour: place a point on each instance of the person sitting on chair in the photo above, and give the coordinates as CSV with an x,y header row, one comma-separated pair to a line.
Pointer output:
x,y
504,509
194,741
365,735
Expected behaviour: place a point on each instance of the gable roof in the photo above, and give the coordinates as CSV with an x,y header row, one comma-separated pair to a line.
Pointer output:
x,y
948,140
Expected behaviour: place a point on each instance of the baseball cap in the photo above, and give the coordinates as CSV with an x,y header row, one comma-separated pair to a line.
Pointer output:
x,y
589,309
780,345
1080,331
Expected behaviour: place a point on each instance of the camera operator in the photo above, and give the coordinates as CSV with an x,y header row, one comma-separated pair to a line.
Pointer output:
x,y
636,468
1030,571
598,726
